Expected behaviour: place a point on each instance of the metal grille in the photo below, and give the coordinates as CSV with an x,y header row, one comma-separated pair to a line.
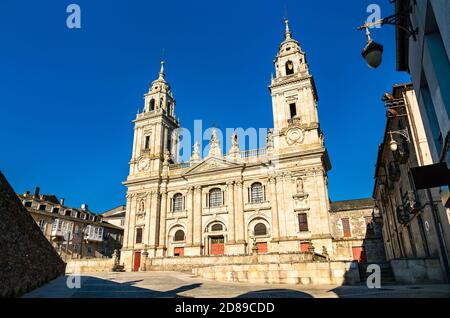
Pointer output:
x,y
257,193
178,202
215,198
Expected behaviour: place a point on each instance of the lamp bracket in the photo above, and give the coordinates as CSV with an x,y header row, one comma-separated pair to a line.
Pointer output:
x,y
396,20
403,132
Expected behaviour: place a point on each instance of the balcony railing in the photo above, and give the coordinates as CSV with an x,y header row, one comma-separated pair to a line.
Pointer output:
x,y
253,153
93,233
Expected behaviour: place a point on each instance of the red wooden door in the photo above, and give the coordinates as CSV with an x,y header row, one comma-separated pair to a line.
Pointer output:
x,y
137,261
359,254
178,251
217,246
304,247
262,247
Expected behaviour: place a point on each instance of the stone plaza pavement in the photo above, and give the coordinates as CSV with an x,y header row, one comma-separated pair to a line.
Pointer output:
x,y
177,284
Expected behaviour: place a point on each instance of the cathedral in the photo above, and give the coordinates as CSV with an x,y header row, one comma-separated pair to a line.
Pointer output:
x,y
265,201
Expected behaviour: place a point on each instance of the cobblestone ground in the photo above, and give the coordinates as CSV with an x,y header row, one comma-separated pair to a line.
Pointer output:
x,y
175,284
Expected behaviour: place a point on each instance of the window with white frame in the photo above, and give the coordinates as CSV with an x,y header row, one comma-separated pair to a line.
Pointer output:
x,y
215,198
257,193
177,202
42,225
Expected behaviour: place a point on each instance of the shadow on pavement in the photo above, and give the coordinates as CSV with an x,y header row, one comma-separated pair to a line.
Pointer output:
x,y
275,293
94,287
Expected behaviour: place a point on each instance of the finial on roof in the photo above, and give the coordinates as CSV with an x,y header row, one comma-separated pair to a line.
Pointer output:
x,y
288,33
161,72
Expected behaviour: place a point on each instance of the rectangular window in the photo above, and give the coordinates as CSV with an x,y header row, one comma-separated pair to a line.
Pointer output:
x,y
346,227
147,143
122,222
138,235
303,222
28,204
293,109
42,207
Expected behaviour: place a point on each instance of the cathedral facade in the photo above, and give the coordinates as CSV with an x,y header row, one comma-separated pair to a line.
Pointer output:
x,y
271,200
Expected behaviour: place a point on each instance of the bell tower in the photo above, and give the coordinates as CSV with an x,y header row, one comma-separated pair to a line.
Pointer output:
x,y
294,99
154,139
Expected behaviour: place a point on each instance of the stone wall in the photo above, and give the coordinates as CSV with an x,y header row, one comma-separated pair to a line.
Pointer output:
x,y
305,273
419,270
188,263
91,265
27,259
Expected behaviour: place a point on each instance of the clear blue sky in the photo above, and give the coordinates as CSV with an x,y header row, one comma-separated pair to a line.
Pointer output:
x,y
67,97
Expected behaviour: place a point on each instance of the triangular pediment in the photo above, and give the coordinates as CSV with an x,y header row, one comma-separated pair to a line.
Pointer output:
x,y
212,164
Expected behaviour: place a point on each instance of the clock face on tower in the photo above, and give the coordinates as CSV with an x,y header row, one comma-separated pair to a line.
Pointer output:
x,y
143,164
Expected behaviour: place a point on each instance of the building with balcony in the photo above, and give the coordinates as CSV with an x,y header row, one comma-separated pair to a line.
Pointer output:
x,y
74,232
414,222
425,54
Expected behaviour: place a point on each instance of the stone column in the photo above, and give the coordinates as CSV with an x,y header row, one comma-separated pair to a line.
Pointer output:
x,y
154,218
230,204
274,203
126,231
197,220
189,208
162,222
239,222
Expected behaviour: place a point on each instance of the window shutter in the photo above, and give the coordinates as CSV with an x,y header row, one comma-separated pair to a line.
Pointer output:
x,y
184,203
171,204
207,200
249,197
264,193
223,197
346,227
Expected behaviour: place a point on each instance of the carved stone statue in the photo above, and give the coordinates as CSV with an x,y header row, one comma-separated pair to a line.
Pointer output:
x,y
195,157
270,138
166,156
214,143
141,207
300,188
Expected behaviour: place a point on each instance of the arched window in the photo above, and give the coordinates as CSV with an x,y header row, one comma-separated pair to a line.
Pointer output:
x,y
289,68
152,105
256,193
215,198
177,202
179,236
260,229
216,227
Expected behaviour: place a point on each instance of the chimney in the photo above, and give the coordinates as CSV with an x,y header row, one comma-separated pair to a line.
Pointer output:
x,y
36,191
84,207
61,201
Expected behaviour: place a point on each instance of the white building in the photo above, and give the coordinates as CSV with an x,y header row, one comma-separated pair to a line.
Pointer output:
x,y
268,200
